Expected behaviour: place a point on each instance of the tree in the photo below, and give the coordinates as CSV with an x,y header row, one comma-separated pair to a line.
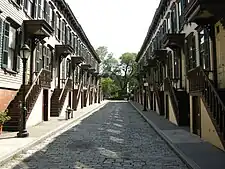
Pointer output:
x,y
127,68
109,63
118,77
109,88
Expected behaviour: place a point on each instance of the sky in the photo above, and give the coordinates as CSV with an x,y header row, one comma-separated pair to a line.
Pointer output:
x,y
120,25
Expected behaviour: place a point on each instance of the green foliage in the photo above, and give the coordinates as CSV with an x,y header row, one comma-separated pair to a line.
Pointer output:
x,y
4,117
118,79
109,87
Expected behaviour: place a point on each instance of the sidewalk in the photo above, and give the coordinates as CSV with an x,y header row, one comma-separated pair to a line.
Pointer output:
x,y
10,145
195,152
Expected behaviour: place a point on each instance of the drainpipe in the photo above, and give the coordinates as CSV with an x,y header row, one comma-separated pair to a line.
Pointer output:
x,y
59,60
32,60
213,38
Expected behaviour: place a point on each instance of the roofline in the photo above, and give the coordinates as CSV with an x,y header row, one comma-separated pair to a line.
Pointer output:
x,y
79,29
151,28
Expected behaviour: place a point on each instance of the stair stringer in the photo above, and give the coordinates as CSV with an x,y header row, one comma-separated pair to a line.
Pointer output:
x,y
62,113
36,115
172,115
208,129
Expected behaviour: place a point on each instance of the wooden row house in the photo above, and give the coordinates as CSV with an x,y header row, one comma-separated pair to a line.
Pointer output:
x,y
184,57
63,67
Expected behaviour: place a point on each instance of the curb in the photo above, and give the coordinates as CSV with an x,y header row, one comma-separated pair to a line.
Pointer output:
x,y
190,163
51,133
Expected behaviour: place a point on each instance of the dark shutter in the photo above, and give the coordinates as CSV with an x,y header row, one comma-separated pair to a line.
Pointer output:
x,y
39,9
17,51
1,39
35,7
5,44
55,27
25,4
46,11
186,54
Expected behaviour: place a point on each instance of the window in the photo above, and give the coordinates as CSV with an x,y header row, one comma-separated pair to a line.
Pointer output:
x,y
76,45
168,24
66,34
38,57
40,8
31,7
52,16
177,56
190,52
11,45
174,20
18,2
58,27
74,41
76,74
68,68
46,11
25,4
46,57
70,36
204,49
63,31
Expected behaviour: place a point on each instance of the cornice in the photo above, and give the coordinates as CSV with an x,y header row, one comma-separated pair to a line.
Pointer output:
x,y
152,27
75,24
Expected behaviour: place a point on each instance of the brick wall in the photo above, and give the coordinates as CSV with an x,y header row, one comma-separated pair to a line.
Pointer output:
x,y
6,96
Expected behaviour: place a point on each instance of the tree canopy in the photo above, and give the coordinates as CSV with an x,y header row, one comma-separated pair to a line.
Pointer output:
x,y
118,74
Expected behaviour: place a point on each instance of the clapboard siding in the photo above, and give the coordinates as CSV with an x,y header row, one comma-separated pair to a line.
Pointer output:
x,y
9,10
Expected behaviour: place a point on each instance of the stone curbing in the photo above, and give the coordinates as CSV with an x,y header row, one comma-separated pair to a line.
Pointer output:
x,y
190,163
65,126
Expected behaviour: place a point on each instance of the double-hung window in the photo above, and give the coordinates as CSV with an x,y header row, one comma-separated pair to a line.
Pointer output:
x,y
190,46
18,2
52,16
30,7
46,11
58,27
11,44
63,31
204,49
174,19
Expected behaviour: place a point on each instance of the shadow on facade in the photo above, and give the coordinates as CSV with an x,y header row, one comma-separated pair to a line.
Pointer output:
x,y
94,142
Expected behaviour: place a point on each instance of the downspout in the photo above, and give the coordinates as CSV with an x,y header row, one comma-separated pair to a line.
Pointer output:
x,y
212,35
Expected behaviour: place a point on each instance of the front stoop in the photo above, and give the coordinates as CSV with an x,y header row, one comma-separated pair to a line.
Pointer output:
x,y
193,151
12,146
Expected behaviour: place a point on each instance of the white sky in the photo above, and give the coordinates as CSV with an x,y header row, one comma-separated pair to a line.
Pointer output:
x,y
121,25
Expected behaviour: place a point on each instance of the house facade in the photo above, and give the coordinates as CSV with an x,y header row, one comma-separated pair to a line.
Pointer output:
x,y
182,60
62,70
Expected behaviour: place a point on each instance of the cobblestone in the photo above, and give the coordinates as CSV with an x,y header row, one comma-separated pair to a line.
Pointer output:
x,y
114,137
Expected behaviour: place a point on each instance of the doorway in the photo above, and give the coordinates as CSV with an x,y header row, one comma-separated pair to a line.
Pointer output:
x,y
167,106
154,102
82,99
70,99
196,115
151,100
45,105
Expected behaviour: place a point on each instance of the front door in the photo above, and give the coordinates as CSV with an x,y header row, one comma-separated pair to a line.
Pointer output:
x,y
196,115
167,106
45,104
70,100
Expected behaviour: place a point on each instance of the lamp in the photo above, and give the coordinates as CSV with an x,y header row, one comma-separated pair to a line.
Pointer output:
x,y
145,92
24,52
24,55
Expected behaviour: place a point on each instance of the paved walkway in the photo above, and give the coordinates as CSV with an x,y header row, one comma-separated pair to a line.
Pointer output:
x,y
193,150
115,137
10,145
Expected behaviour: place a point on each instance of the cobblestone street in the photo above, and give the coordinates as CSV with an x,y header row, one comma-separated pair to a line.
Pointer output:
x,y
115,137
